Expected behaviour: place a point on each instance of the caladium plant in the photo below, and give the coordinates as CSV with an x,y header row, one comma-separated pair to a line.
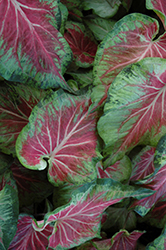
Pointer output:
x,y
82,125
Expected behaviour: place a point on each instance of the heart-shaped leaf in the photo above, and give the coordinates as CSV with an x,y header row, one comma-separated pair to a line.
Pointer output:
x,y
62,133
131,114
32,49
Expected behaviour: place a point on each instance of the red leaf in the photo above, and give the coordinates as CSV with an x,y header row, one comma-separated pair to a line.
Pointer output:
x,y
131,40
134,119
158,183
63,131
81,44
143,164
30,40
27,238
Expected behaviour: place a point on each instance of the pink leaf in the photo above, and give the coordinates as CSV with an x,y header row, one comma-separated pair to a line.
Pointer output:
x,y
83,46
27,238
131,40
31,46
79,220
143,164
63,132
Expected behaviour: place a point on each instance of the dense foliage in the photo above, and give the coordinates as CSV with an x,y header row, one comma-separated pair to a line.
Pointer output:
x,y
82,124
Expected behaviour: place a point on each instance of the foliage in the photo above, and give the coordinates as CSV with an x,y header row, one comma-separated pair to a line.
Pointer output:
x,y
82,125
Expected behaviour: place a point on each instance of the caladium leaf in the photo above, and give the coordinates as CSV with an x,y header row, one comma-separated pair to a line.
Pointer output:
x,y
16,103
61,132
9,209
156,181
158,6
79,220
120,171
99,26
81,43
121,240
143,164
131,114
33,186
27,238
131,40
159,243
102,8
41,58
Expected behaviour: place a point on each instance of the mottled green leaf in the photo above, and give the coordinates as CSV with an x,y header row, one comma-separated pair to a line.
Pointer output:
x,y
159,243
9,209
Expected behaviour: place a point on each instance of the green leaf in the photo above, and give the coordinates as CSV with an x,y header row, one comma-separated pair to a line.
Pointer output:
x,y
5,162
99,26
9,209
102,8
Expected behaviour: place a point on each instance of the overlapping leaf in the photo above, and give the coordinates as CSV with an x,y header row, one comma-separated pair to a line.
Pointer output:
x,y
131,40
62,133
81,43
9,209
159,7
120,171
79,220
27,238
32,50
5,162
156,181
143,164
16,103
131,112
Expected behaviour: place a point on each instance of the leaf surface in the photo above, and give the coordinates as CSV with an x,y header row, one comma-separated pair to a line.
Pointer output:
x,y
159,243
131,40
9,209
16,104
131,114
32,49
81,43
27,238
143,164
156,181
79,220
62,133
103,8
